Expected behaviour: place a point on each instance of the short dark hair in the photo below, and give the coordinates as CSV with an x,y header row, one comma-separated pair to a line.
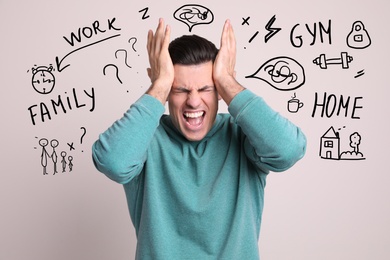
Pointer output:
x,y
192,50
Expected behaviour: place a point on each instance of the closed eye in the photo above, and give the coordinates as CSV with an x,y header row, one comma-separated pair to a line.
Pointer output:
x,y
206,89
180,90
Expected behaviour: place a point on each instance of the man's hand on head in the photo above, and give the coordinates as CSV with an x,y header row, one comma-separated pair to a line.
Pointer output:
x,y
223,71
161,71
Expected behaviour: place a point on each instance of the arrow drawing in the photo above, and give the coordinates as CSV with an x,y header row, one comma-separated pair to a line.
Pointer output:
x,y
59,62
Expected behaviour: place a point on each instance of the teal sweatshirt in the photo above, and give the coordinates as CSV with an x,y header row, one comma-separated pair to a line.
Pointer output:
x,y
197,200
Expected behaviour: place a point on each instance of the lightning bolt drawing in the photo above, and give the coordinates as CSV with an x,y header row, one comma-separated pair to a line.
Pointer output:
x,y
272,31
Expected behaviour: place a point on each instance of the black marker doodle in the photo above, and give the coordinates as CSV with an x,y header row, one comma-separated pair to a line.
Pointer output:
x,y
193,14
86,32
71,147
117,58
294,104
116,69
332,105
282,73
358,38
61,104
43,80
63,161
245,20
254,36
323,62
59,62
271,31
82,136
135,40
330,146
354,143
43,142
359,73
144,15
54,143
70,164
298,42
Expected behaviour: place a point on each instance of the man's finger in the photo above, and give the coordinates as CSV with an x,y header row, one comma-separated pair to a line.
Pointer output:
x,y
167,36
224,33
232,38
150,41
159,36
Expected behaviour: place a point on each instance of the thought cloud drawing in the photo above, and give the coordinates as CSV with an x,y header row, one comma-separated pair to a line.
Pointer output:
x,y
282,73
193,14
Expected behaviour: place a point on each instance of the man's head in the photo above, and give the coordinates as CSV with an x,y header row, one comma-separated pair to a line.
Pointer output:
x,y
193,100
192,50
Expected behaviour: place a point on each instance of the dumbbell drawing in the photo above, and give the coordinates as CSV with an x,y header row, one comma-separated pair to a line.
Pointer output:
x,y
323,62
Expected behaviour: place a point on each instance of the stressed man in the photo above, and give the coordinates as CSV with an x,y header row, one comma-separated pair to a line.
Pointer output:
x,y
194,179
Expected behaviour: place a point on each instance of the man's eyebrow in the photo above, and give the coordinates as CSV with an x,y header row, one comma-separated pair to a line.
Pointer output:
x,y
184,89
206,88
178,88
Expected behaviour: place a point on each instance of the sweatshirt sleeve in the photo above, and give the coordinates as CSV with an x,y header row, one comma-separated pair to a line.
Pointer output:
x,y
120,151
272,141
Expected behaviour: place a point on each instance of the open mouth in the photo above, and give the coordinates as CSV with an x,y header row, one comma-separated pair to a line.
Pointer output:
x,y
194,118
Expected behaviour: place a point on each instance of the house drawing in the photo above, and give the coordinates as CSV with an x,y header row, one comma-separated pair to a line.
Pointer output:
x,y
330,145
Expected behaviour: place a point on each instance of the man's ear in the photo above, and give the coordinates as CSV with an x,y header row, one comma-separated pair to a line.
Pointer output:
x,y
234,74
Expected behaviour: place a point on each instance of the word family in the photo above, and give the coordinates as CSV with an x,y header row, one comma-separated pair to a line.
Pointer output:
x,y
63,103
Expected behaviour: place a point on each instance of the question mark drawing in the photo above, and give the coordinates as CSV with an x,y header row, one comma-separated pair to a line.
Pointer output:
x,y
135,40
82,136
116,68
125,56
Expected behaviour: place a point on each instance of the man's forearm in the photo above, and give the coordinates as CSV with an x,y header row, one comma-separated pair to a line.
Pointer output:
x,y
276,143
121,149
228,89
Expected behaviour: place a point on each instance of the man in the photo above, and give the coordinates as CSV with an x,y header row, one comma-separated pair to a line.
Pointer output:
x,y
194,179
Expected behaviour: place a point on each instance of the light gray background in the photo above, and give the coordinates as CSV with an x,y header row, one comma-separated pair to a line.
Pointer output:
x,y
319,209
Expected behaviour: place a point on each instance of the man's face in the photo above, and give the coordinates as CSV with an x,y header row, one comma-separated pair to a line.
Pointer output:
x,y
193,100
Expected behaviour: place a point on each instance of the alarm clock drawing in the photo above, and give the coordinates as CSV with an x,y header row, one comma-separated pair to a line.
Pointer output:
x,y
43,80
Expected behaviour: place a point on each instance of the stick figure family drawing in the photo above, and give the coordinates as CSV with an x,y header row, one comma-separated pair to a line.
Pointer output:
x,y
46,156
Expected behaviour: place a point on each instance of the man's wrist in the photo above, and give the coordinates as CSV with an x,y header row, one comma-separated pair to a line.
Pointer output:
x,y
159,90
229,89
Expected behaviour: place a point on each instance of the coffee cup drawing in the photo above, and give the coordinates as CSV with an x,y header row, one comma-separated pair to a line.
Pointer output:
x,y
294,104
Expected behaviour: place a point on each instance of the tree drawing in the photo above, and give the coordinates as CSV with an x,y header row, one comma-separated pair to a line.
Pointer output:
x,y
355,141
